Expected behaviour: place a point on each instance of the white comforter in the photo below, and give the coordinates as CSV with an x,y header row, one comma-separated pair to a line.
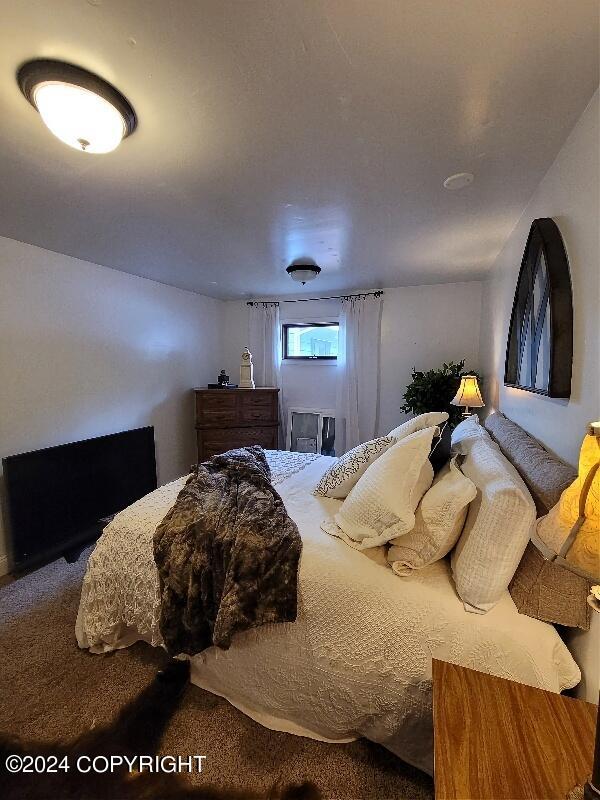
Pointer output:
x,y
357,662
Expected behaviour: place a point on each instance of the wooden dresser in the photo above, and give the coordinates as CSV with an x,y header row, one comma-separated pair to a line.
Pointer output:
x,y
228,418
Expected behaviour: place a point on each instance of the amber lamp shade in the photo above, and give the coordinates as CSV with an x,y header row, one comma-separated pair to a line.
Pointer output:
x,y
468,394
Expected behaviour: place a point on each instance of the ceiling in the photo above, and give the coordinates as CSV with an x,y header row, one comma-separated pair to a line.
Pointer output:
x,y
274,129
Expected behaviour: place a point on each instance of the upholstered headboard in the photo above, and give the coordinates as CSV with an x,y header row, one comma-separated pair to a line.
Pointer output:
x,y
539,588
545,475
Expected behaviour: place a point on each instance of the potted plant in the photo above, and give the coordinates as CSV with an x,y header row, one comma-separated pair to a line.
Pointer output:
x,y
433,390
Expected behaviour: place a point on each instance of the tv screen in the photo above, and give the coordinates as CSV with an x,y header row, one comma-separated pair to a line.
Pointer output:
x,y
57,497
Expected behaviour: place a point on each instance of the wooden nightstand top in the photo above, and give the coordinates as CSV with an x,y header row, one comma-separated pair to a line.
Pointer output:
x,y
501,740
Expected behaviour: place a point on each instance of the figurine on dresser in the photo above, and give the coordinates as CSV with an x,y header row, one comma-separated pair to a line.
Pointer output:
x,y
247,371
222,382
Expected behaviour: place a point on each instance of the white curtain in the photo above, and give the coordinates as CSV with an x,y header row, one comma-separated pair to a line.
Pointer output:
x,y
264,342
357,405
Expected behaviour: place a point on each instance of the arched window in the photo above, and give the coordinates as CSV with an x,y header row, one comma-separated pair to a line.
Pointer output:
x,y
539,351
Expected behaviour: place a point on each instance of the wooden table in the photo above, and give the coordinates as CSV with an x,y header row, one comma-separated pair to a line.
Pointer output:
x,y
501,740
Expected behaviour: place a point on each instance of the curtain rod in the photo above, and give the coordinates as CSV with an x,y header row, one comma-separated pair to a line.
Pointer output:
x,y
378,293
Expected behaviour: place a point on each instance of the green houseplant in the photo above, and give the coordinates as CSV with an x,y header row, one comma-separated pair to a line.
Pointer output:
x,y
433,390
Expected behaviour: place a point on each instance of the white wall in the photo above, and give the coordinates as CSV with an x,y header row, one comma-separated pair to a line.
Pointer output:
x,y
569,193
86,350
421,326
307,384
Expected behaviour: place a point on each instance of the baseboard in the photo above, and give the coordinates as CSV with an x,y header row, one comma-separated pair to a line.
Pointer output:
x,y
3,565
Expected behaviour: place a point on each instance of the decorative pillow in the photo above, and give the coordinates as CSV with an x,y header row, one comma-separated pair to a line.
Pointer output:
x,y
383,502
467,430
343,475
440,451
545,590
440,518
499,523
419,423
545,475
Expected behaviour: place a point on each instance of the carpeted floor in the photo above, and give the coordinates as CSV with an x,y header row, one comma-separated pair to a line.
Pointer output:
x,y
52,690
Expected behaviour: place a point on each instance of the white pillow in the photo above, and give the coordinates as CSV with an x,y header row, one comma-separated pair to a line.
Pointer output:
x,y
383,502
440,518
470,428
343,475
499,524
419,423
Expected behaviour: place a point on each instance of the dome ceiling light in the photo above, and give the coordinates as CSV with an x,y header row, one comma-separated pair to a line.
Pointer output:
x,y
80,108
303,271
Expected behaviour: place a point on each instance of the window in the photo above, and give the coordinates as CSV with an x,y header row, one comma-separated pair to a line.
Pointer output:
x,y
311,340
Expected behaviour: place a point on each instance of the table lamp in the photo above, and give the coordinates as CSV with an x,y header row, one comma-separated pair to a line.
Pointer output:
x,y
572,528
468,395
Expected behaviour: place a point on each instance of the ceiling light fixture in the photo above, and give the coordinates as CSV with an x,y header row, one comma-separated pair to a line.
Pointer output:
x,y
80,108
303,271
459,181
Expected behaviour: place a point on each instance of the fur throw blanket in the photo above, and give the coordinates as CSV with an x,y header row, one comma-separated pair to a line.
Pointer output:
x,y
227,554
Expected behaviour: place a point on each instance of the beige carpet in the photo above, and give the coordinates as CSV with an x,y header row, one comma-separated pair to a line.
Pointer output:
x,y
52,690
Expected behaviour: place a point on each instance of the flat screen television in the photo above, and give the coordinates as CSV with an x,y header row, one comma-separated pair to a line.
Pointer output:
x,y
59,497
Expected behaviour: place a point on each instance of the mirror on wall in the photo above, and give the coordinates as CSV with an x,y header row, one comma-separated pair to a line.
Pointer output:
x,y
539,350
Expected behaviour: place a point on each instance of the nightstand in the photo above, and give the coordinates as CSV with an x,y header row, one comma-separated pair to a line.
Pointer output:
x,y
500,740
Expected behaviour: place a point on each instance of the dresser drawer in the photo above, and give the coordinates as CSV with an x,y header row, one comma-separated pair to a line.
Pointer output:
x,y
215,441
218,407
257,406
230,418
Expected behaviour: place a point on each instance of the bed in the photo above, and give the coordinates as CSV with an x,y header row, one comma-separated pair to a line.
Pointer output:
x,y
357,661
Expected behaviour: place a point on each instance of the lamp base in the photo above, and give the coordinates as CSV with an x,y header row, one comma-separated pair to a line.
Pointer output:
x,y
579,792
591,792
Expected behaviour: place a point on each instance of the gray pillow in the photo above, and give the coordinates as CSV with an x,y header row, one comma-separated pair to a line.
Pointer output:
x,y
545,475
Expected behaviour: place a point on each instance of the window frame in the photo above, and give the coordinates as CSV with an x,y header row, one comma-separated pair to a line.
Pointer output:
x,y
284,349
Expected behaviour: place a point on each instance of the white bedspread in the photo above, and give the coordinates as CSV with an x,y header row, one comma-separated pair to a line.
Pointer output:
x,y
357,662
